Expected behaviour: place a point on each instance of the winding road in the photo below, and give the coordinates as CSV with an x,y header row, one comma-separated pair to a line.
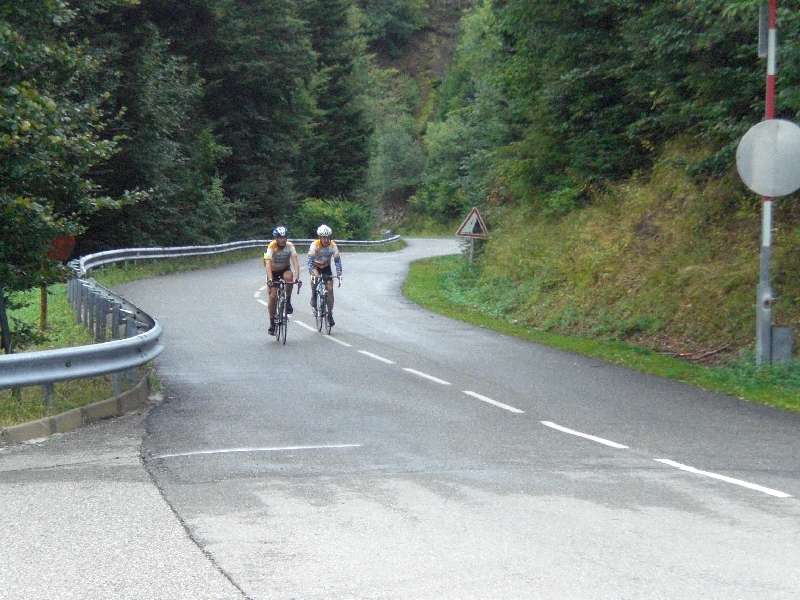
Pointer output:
x,y
408,455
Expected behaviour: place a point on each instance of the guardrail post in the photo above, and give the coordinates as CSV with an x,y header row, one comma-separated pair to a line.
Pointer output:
x,y
78,299
115,320
91,311
116,384
103,311
49,388
87,301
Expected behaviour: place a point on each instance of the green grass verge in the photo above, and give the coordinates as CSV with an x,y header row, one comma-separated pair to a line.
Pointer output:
x,y
433,283
29,405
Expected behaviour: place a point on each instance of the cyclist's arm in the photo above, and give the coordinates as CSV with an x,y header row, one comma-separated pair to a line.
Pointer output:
x,y
311,254
337,260
268,265
295,264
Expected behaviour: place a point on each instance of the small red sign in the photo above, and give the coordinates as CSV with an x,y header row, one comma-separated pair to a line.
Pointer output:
x,y
61,247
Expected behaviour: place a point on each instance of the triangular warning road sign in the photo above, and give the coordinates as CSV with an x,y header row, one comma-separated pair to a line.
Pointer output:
x,y
473,226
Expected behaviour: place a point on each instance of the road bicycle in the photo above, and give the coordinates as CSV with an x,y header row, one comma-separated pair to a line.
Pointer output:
x,y
281,316
321,308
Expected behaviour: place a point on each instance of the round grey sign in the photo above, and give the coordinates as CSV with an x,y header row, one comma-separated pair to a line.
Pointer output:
x,y
768,158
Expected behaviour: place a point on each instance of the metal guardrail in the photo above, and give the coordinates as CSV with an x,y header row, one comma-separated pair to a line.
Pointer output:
x,y
125,336
84,264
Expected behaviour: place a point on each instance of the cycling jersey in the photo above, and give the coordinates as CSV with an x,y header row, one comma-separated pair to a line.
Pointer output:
x,y
280,257
320,256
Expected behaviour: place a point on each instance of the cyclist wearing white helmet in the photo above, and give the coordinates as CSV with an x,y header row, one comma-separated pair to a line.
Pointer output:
x,y
281,262
320,254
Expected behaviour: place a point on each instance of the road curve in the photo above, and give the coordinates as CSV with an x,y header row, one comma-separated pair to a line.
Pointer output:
x,y
412,456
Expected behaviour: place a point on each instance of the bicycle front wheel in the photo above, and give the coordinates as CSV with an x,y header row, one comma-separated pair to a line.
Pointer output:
x,y
322,306
281,329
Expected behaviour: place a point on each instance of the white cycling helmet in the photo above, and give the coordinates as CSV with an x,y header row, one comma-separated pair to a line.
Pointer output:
x,y
324,231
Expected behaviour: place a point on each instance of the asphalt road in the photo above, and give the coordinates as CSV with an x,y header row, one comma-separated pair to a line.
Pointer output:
x,y
412,456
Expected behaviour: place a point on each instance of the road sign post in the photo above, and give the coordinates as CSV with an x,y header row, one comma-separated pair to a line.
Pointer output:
x,y
764,293
767,159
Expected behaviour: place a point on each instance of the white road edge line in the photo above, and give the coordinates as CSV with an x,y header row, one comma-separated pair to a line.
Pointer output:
x,y
376,357
725,478
594,438
340,342
494,402
260,301
262,288
303,325
426,376
277,449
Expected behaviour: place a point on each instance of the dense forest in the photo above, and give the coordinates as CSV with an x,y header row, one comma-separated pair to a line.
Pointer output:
x,y
156,122
598,137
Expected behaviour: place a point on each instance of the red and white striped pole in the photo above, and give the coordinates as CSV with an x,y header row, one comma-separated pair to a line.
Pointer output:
x,y
772,59
765,296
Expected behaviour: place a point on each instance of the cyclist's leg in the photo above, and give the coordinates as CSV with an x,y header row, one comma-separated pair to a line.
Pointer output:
x,y
273,295
314,277
329,287
288,277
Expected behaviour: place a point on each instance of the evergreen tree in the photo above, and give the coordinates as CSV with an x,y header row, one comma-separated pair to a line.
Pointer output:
x,y
338,153
157,100
50,124
259,67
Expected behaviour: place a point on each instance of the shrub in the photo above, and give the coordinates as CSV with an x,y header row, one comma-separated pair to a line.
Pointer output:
x,y
347,219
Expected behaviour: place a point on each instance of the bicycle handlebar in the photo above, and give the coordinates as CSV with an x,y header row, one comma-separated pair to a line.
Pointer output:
x,y
298,283
328,278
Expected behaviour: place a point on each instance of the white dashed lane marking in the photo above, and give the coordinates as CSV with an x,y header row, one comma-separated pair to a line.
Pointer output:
x,y
482,398
340,342
376,357
426,376
494,402
593,438
725,478
304,325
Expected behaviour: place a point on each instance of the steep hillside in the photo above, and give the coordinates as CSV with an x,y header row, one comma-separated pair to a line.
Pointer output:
x,y
660,260
429,53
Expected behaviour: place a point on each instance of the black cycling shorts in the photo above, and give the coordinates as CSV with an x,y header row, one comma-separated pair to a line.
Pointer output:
x,y
325,272
278,275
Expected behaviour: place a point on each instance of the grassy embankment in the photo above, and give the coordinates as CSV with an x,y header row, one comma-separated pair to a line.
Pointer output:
x,y
657,274
62,331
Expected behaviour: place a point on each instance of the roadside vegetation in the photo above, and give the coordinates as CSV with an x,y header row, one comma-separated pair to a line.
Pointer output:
x,y
452,286
28,403
599,144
